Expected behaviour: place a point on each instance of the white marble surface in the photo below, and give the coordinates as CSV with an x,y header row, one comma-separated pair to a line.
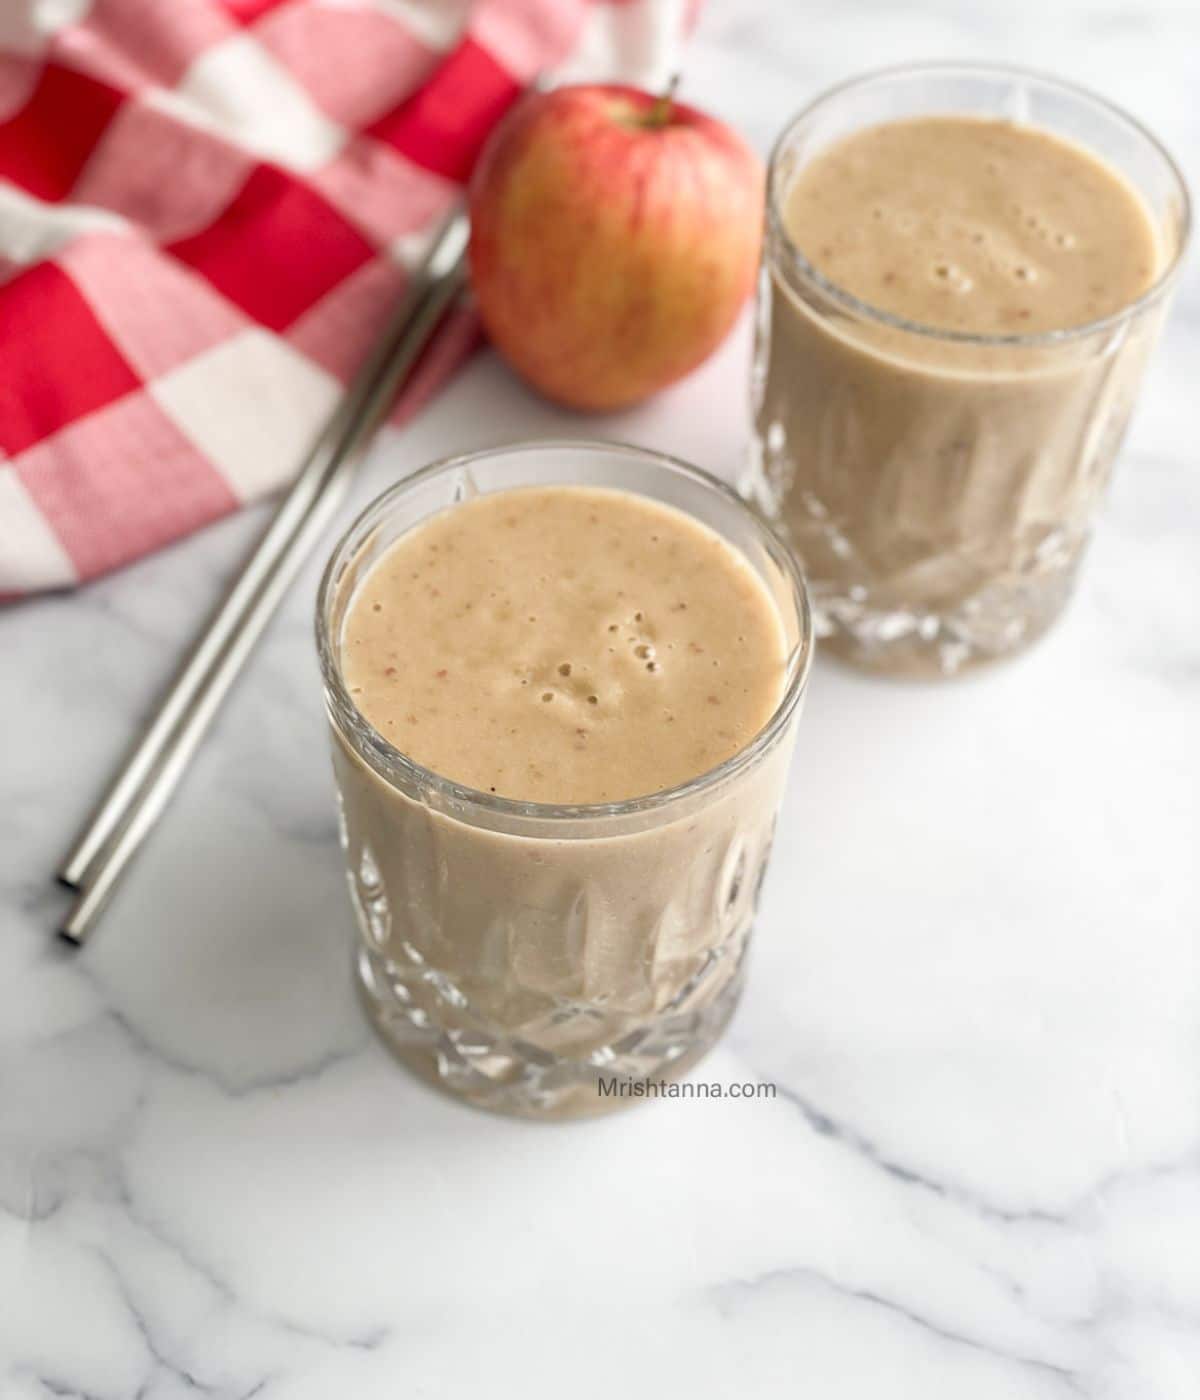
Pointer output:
x,y
976,980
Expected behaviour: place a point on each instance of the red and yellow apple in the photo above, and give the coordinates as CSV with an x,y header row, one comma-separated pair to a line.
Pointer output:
x,y
614,237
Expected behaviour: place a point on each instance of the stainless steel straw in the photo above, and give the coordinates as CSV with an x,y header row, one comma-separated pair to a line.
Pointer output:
x,y
143,785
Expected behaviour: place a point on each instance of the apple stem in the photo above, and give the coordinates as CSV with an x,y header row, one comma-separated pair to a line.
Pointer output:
x,y
660,113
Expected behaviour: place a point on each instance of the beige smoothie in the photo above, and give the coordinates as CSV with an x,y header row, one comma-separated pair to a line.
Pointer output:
x,y
564,645
558,645
939,488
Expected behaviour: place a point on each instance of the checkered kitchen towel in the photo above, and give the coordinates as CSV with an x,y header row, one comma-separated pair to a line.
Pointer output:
x,y
206,210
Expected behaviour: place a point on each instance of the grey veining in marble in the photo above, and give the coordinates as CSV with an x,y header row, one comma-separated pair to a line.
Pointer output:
x,y
976,981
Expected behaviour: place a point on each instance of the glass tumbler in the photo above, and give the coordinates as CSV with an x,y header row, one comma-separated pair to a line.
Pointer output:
x,y
525,955
940,487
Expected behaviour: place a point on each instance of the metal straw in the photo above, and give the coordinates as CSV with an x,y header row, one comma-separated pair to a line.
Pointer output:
x,y
143,785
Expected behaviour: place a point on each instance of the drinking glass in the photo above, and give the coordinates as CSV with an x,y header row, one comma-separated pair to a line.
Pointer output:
x,y
518,953
940,487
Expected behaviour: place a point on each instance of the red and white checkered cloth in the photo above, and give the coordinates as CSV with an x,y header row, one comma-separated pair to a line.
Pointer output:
x,y
206,210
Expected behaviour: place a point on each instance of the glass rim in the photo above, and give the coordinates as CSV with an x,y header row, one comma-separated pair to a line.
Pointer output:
x,y
867,311
386,759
